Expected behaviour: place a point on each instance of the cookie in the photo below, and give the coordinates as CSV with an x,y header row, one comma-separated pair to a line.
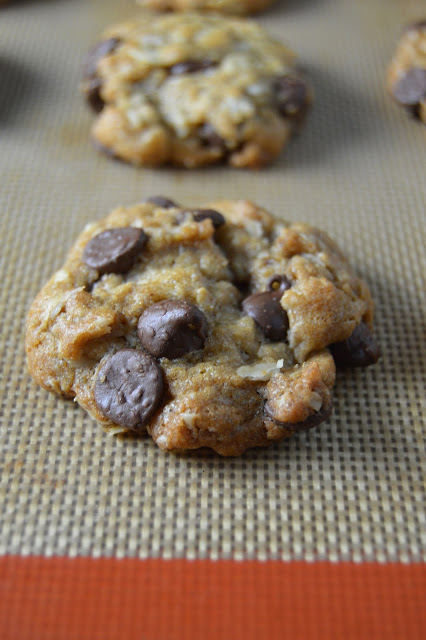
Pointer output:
x,y
235,7
192,90
406,77
203,327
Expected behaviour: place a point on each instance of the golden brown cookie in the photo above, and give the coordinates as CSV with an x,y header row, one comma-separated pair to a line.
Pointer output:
x,y
192,90
406,76
205,327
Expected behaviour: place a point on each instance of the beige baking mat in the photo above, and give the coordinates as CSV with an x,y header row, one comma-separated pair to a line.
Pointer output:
x,y
352,489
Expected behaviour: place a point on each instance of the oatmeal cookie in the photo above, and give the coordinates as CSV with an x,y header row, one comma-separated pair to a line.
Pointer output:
x,y
235,7
204,327
192,90
406,77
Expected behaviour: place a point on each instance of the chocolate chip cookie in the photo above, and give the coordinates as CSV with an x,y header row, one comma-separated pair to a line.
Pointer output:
x,y
205,327
406,76
236,7
192,90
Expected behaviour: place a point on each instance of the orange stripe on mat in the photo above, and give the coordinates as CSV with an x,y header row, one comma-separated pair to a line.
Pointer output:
x,y
109,599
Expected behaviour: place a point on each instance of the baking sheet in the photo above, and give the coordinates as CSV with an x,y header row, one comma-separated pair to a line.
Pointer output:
x,y
352,489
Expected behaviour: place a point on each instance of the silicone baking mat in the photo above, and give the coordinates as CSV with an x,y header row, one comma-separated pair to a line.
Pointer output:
x,y
245,546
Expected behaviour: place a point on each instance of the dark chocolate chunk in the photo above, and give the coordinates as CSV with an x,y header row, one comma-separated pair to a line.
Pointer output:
x,y
313,421
114,250
266,311
191,66
129,388
93,84
359,350
292,96
162,202
410,89
202,214
172,328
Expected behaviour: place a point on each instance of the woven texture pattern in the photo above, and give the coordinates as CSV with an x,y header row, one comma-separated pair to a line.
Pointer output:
x,y
352,489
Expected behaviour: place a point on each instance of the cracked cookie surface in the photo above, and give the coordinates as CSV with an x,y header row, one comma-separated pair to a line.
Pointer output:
x,y
406,77
211,331
192,90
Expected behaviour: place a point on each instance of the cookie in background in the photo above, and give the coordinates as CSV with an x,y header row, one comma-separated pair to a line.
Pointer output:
x,y
192,90
235,7
406,76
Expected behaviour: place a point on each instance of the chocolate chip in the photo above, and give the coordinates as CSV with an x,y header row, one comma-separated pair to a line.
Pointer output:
x,y
313,421
420,24
191,66
107,151
98,51
359,350
266,311
172,328
114,250
129,388
292,96
203,214
162,202
92,91
411,88
210,138
93,83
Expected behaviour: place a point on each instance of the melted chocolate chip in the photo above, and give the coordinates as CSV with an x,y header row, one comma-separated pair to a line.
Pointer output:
x,y
410,89
162,202
114,250
129,388
93,83
203,214
359,350
292,96
172,328
313,421
191,66
266,311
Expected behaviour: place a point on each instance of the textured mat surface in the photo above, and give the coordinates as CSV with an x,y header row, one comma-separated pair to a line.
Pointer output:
x,y
351,490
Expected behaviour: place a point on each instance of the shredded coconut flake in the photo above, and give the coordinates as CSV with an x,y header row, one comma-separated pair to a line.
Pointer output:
x,y
162,440
315,401
61,276
260,371
189,419
116,430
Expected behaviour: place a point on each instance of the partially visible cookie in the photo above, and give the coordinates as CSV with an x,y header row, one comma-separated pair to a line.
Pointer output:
x,y
406,76
235,7
192,90
204,327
